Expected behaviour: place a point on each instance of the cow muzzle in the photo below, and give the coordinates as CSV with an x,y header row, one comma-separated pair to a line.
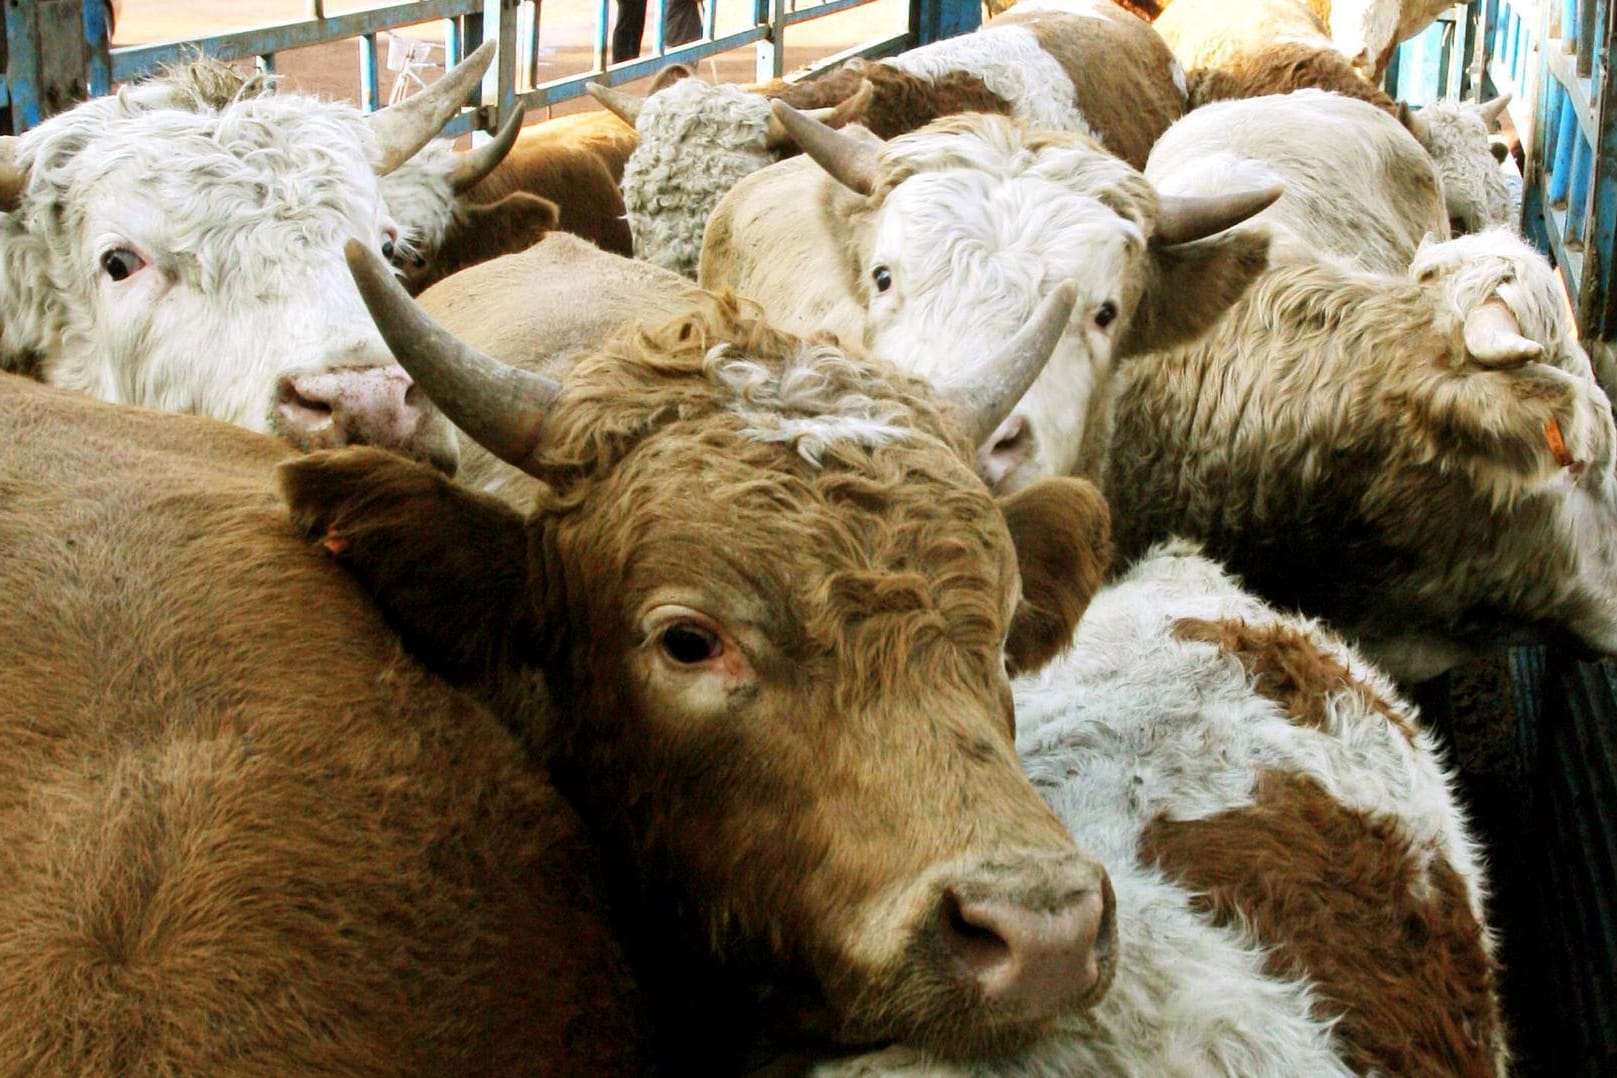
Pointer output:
x,y
1029,943
377,406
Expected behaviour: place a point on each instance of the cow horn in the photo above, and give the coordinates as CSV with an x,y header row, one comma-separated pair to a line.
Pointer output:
x,y
1490,111
472,166
850,162
12,177
499,407
985,402
1494,339
1414,123
620,103
401,130
1181,218
847,111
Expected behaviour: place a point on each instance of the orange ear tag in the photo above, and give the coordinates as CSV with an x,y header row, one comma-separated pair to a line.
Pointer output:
x,y
1552,435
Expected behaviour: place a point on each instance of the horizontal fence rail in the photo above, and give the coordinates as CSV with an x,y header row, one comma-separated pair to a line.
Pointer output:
x,y
56,52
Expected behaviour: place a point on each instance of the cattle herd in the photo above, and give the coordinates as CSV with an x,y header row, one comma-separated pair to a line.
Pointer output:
x,y
911,571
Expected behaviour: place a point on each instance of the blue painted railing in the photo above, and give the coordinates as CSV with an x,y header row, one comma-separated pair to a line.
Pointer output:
x,y
32,26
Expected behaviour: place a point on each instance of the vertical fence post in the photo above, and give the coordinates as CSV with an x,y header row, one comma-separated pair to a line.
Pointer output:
x,y
934,20
499,84
772,49
1597,306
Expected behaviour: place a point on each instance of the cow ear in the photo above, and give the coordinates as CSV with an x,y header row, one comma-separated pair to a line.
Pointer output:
x,y
1063,536
668,76
1189,286
446,565
483,232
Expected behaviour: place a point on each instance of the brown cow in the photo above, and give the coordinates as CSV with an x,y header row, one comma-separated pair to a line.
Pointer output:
x,y
240,830
775,610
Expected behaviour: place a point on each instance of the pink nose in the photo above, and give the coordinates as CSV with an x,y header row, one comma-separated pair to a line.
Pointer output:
x,y
1028,961
378,406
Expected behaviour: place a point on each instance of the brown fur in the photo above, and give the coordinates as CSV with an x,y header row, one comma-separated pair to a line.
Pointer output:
x,y
900,102
1072,540
480,233
873,591
240,831
1382,930
1121,71
581,181
1280,69
1288,668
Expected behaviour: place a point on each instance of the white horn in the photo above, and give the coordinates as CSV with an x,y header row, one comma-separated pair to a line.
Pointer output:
x,y
620,103
1494,339
476,163
1490,111
401,130
984,402
852,163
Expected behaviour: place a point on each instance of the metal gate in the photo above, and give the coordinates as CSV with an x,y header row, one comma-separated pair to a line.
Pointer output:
x,y
56,52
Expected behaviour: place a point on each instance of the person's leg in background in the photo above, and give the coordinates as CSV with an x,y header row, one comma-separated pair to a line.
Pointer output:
x,y
628,30
684,22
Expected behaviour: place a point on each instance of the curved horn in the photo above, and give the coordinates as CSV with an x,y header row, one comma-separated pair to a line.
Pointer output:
x,y
401,130
472,166
498,406
1494,339
1181,218
850,162
985,402
620,103
847,111
12,177
1414,123
1490,111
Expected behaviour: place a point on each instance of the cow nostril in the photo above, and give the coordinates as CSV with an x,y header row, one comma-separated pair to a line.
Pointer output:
x,y
412,396
976,944
290,398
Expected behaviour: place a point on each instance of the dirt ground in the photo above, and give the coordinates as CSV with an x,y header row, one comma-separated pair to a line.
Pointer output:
x,y
567,36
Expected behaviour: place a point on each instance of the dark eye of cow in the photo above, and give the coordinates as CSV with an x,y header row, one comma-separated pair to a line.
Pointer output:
x,y
883,278
1105,314
689,644
121,263
387,248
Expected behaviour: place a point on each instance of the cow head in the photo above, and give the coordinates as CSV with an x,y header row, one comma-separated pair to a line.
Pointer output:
x,y
1455,133
967,223
697,140
179,246
440,230
776,613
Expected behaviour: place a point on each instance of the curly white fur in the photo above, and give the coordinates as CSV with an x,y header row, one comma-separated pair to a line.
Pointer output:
x,y
1473,183
1135,724
696,142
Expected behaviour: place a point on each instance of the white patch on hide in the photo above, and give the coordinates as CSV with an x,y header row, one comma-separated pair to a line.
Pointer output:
x,y
1011,63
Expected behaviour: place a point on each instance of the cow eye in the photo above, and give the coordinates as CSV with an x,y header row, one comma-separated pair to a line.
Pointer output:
x,y
883,278
1105,314
689,644
121,263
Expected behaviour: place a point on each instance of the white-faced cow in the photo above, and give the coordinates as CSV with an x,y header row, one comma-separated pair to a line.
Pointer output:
x,y
1094,69
241,831
1297,892
933,247
156,250
773,609
1250,48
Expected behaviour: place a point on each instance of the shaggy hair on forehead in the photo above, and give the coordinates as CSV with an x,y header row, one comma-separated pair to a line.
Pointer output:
x,y
855,459
696,142
722,368
1000,147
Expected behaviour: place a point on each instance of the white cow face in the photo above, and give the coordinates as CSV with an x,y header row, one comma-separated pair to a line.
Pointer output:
x,y
191,260
960,258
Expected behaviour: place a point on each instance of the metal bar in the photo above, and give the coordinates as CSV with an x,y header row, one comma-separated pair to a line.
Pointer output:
x,y
818,10
658,26
370,86
135,60
562,89
1577,202
772,49
265,64
22,38
710,15
98,71
1561,65
874,49
603,21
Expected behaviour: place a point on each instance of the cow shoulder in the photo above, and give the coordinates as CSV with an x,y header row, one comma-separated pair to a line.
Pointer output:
x,y
447,566
1062,532
1189,286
